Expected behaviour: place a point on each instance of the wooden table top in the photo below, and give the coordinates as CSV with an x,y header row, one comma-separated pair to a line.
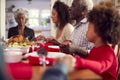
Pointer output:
x,y
83,74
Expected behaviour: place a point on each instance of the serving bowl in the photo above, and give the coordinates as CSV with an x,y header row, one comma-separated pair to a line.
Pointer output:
x,y
21,49
12,56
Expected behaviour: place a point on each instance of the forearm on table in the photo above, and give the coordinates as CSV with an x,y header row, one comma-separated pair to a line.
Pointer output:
x,y
78,50
96,66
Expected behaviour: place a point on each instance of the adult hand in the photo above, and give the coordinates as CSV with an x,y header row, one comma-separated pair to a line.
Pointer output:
x,y
64,49
67,42
50,38
40,37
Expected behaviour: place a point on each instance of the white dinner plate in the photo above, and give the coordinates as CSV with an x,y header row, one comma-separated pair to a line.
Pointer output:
x,y
55,54
50,54
56,47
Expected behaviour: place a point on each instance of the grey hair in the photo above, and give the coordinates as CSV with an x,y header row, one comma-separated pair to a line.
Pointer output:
x,y
21,11
87,3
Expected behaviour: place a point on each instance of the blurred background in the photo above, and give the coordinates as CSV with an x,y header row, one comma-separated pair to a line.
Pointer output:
x,y
39,14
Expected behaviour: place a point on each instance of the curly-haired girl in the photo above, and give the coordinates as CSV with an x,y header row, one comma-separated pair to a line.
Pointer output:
x,y
104,29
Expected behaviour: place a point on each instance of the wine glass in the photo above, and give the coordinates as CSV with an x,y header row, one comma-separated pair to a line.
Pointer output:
x,y
42,52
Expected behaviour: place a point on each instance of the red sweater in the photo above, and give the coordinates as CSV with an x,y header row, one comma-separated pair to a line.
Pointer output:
x,y
101,60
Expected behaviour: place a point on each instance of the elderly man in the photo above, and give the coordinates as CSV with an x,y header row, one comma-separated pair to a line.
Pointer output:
x,y
21,28
78,43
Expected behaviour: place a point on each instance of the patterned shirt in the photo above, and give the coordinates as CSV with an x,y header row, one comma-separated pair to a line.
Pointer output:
x,y
78,36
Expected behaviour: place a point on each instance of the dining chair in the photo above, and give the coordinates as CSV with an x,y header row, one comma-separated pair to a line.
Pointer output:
x,y
117,51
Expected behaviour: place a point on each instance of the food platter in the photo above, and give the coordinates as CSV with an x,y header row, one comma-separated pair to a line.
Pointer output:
x,y
18,41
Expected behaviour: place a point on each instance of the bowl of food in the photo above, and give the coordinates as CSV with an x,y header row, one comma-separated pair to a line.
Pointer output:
x,y
12,56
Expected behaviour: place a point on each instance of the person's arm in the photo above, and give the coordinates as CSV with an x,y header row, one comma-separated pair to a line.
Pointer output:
x,y
77,50
40,37
67,31
30,34
49,38
9,33
55,42
73,49
97,66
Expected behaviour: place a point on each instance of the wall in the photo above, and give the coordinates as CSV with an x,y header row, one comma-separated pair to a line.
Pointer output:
x,y
35,4
2,18
97,1
39,4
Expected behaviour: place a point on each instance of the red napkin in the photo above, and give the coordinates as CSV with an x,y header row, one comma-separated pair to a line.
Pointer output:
x,y
48,44
22,71
51,49
31,49
35,60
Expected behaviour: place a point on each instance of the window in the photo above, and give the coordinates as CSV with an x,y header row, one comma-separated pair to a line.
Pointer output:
x,y
39,20
33,18
45,18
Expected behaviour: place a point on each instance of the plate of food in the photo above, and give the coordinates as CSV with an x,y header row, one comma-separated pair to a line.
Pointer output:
x,y
19,41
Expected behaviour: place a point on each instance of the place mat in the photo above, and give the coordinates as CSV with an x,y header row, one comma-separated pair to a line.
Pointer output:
x,y
46,46
22,71
35,60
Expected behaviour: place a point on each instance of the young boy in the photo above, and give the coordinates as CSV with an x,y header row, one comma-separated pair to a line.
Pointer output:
x,y
104,29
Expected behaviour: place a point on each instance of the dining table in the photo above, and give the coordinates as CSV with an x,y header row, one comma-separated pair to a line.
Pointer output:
x,y
38,70
83,74
26,70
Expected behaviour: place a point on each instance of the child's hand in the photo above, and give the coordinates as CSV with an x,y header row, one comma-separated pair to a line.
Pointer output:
x,y
68,60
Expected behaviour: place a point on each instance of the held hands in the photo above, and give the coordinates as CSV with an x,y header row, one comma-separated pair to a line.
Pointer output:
x,y
67,42
40,37
65,46
50,38
68,60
